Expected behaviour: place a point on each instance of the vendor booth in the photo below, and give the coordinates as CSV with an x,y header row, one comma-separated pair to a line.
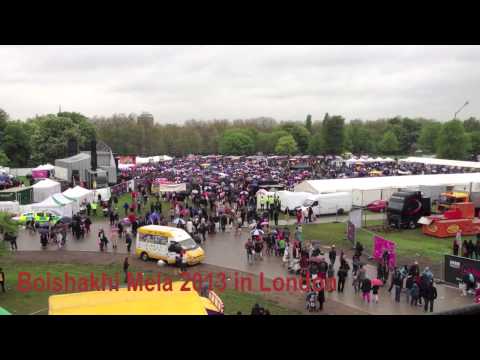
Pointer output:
x,y
45,188
42,171
79,194
52,204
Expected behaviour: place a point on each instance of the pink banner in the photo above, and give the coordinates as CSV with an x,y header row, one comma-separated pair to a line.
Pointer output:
x,y
380,245
39,174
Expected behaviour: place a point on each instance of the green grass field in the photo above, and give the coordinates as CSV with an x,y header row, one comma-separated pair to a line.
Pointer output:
x,y
410,243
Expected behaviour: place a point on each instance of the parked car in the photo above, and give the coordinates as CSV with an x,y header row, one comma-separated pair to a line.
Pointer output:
x,y
378,206
40,217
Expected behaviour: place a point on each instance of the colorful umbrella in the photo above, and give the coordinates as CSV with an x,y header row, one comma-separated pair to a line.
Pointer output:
x,y
377,282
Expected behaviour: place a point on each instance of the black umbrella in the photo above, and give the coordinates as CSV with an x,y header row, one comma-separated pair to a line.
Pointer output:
x,y
65,220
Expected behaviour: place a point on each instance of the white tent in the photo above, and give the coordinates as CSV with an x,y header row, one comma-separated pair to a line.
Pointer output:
x,y
10,206
54,205
152,159
441,162
105,194
45,188
60,198
368,189
48,167
79,194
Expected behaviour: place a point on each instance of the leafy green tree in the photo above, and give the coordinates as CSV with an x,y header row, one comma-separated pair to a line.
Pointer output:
x,y
50,136
427,141
315,147
308,123
453,142
474,143
299,133
236,143
286,145
4,160
358,139
7,225
389,144
85,127
471,125
16,143
333,130
266,142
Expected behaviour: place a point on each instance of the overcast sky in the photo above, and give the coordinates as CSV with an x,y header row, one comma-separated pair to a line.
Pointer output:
x,y
177,83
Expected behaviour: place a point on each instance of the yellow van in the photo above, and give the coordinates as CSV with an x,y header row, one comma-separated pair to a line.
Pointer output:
x,y
157,242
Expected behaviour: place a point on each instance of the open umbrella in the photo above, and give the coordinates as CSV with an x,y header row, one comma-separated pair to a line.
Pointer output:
x,y
264,223
125,221
376,282
65,220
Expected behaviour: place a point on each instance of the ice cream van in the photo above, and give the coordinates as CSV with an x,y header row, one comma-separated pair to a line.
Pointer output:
x,y
164,243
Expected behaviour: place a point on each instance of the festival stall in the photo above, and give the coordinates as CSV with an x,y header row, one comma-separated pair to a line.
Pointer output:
x,y
12,207
104,193
44,189
42,171
51,204
79,194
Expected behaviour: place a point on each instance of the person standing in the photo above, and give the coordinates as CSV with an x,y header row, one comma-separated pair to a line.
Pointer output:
x,y
275,216
375,289
2,280
456,247
332,255
249,249
430,296
342,276
113,236
470,249
13,242
331,280
464,248
477,248
321,297
126,265
310,214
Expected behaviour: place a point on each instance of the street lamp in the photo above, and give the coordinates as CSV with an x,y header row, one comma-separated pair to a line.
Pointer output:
x,y
455,116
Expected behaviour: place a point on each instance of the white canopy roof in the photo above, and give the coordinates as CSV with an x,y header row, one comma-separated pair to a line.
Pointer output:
x,y
155,159
442,162
386,182
45,188
61,205
45,167
79,194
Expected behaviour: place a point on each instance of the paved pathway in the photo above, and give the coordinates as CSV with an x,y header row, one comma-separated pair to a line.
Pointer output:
x,y
227,251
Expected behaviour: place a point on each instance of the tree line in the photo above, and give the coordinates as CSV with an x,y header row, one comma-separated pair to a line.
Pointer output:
x,y
42,139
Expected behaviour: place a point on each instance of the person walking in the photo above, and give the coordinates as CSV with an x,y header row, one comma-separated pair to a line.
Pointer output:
x,y
126,265
2,280
332,255
249,248
430,296
366,288
128,240
113,236
398,282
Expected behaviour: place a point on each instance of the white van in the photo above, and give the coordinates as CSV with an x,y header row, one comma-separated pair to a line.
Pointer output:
x,y
292,199
333,203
